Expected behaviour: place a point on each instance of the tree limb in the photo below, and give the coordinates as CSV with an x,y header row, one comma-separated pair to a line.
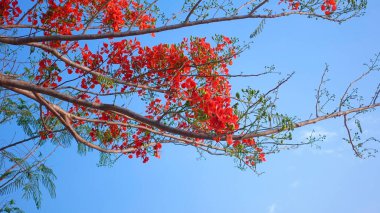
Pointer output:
x,y
9,83
20,40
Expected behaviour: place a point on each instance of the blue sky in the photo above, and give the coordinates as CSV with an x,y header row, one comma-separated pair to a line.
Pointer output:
x,y
307,179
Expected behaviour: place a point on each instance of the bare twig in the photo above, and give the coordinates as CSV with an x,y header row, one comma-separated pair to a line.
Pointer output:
x,y
27,139
349,140
371,68
89,22
318,96
192,11
257,7
243,5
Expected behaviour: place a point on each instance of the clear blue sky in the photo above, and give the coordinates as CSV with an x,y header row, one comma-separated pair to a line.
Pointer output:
x,y
306,180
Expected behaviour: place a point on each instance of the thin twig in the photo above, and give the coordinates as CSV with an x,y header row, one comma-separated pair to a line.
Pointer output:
x,y
192,11
349,137
26,140
318,96
257,7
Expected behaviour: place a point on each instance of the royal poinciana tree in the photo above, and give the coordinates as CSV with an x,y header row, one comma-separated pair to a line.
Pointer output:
x,y
59,85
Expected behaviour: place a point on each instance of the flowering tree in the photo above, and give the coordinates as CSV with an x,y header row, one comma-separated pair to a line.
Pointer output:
x,y
58,85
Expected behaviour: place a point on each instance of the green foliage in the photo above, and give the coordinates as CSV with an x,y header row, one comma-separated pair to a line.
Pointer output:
x,y
258,29
63,139
10,207
106,159
358,4
107,82
29,178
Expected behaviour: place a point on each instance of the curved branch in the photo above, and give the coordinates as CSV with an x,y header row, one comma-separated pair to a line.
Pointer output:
x,y
350,137
104,107
310,121
19,41
179,140
66,122
7,83
64,116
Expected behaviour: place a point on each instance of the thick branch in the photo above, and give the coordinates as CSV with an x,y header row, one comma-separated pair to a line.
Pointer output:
x,y
310,121
21,40
104,107
4,82
67,123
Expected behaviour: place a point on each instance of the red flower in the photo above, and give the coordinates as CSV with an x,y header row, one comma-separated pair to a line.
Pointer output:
x,y
229,139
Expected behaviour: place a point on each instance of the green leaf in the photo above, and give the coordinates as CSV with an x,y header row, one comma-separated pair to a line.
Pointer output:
x,y
258,29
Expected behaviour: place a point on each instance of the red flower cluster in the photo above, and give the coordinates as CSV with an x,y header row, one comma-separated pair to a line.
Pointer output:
x,y
48,73
45,135
328,6
258,154
9,10
293,5
64,17
169,67
191,75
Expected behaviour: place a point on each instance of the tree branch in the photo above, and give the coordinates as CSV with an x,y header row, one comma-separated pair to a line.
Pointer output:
x,y
26,140
257,7
350,137
10,83
192,11
20,40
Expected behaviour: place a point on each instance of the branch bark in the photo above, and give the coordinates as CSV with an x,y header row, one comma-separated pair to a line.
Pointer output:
x,y
20,40
11,83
